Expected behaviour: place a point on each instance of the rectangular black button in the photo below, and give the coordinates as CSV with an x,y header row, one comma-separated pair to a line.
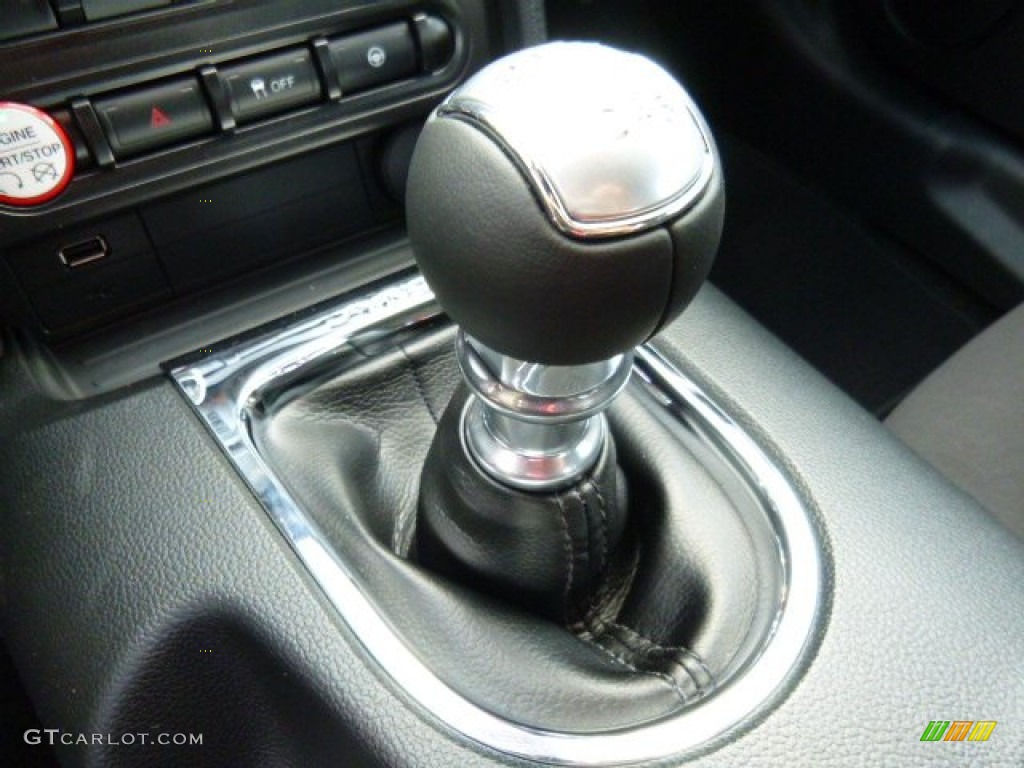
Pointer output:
x,y
374,57
155,116
272,84
105,9
25,17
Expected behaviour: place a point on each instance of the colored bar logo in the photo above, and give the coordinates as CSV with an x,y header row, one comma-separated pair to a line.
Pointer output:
x,y
958,730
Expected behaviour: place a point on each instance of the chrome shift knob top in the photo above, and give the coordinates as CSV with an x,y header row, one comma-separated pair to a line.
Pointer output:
x,y
565,203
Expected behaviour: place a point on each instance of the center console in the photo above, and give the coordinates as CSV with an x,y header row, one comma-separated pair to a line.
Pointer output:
x,y
256,485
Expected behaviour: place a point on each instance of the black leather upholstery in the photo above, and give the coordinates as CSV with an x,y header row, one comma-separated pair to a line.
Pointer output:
x,y
351,451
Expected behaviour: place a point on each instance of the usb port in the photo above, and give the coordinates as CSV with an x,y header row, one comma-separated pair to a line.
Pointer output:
x,y
84,252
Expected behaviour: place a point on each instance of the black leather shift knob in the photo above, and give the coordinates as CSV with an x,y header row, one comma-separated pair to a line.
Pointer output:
x,y
565,203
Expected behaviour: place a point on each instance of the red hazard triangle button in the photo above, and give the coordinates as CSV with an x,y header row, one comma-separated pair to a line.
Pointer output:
x,y
158,118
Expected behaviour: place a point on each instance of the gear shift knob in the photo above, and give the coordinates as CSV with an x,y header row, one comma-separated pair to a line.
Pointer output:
x,y
565,203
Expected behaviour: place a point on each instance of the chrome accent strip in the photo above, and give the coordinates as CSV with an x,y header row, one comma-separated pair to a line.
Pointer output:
x,y
226,386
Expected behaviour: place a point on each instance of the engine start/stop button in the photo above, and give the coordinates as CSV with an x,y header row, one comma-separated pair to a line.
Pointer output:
x,y
37,158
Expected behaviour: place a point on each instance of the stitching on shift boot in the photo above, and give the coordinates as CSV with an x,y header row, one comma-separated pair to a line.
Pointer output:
x,y
603,526
692,664
674,663
568,551
584,515
677,657
621,659
617,578
586,577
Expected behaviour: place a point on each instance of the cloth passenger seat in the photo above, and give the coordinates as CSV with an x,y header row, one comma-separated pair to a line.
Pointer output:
x,y
967,419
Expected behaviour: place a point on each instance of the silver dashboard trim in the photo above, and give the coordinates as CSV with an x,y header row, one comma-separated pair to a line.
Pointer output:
x,y
225,386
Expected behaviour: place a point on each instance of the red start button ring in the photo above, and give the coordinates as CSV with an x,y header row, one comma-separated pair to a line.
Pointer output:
x,y
37,159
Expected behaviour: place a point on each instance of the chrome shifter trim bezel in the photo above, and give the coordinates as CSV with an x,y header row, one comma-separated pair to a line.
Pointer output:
x,y
228,385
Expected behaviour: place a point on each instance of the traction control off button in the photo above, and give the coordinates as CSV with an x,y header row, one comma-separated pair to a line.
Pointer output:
x,y
37,159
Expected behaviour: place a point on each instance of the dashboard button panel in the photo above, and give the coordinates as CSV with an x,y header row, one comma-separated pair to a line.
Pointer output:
x,y
154,116
271,84
375,57
227,123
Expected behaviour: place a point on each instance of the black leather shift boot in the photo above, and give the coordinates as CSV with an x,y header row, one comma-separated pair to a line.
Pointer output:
x,y
653,635
544,551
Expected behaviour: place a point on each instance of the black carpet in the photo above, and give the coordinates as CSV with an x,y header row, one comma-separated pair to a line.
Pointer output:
x,y
870,315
